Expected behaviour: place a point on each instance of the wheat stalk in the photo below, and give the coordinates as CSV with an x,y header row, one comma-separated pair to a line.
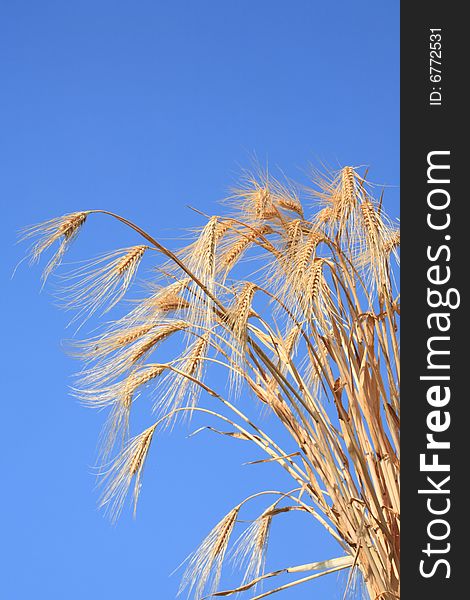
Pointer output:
x,y
302,313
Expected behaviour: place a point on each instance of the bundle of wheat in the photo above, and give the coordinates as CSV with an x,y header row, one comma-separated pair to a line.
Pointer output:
x,y
321,354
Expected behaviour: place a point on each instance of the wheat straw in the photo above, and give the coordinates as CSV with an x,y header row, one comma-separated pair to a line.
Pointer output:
x,y
300,315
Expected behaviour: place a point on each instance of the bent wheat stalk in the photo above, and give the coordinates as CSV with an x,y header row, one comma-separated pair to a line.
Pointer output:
x,y
302,312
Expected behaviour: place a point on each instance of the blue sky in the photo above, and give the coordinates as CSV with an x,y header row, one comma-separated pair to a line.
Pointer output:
x,y
143,108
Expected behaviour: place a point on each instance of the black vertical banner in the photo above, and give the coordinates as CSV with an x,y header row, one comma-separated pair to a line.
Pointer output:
x,y
435,236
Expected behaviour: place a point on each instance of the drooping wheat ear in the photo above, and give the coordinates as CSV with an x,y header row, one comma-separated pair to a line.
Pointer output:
x,y
99,284
118,477
201,258
313,285
236,323
121,392
155,307
316,301
171,302
205,566
252,545
290,203
201,261
373,256
254,201
181,384
305,254
111,366
241,242
339,198
264,205
194,357
295,265
315,280
294,230
138,379
158,335
286,348
238,314
63,228
101,346
222,228
326,217
348,186
117,424
290,342
133,257
372,225
286,197
348,197
231,256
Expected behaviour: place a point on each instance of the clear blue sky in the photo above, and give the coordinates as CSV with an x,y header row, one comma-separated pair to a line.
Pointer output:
x,y
142,108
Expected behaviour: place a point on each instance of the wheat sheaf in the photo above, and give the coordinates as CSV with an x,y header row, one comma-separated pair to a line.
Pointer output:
x,y
302,312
